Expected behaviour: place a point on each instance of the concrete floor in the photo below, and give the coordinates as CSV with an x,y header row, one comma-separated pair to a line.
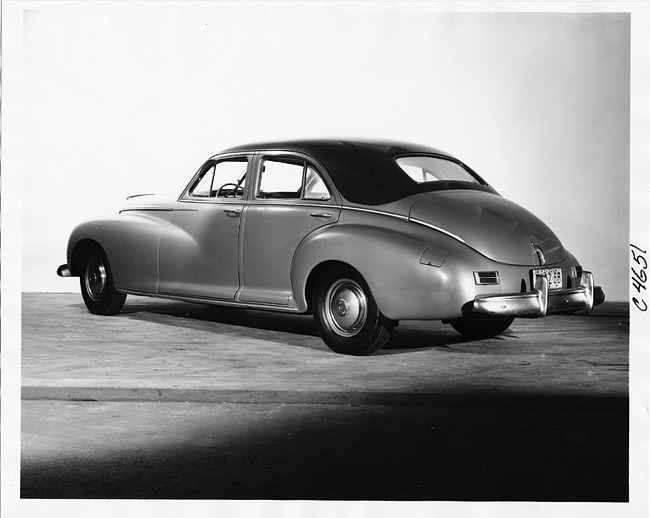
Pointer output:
x,y
173,400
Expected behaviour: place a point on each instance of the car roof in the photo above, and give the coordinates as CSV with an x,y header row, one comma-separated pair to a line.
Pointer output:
x,y
363,171
315,147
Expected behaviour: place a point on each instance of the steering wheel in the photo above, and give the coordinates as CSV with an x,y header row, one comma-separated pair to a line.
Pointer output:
x,y
235,190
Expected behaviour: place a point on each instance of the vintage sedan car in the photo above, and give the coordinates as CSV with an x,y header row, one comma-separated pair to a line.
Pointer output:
x,y
361,234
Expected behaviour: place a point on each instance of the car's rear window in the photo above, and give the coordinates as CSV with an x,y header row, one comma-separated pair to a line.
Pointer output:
x,y
426,168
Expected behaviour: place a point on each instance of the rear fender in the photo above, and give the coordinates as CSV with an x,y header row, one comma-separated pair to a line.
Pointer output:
x,y
426,276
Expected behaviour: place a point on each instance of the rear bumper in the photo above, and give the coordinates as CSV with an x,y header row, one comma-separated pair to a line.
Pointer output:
x,y
540,302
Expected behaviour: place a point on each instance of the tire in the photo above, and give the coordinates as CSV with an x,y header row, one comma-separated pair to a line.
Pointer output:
x,y
478,329
346,315
97,288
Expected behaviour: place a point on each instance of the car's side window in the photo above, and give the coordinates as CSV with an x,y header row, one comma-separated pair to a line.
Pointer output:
x,y
290,178
222,179
281,178
203,186
315,188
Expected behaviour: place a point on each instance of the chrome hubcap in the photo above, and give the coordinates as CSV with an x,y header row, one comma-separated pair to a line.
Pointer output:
x,y
346,307
95,278
342,308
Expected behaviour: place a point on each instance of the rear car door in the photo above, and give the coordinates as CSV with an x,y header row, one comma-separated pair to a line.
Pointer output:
x,y
289,201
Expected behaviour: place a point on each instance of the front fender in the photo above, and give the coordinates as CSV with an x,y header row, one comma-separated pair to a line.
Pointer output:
x,y
130,242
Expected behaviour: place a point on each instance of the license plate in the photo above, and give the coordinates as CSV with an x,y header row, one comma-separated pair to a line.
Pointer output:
x,y
554,276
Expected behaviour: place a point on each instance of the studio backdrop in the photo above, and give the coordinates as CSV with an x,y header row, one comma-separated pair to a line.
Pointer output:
x,y
128,98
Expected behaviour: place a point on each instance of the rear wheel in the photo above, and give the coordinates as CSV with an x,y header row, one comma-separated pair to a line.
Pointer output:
x,y
346,315
97,288
481,328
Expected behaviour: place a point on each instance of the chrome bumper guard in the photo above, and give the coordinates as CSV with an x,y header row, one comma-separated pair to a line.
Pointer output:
x,y
539,302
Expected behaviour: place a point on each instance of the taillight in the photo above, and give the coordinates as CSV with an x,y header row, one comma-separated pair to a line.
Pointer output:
x,y
486,278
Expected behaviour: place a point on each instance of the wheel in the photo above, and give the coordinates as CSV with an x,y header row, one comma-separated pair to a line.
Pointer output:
x,y
97,288
346,315
475,328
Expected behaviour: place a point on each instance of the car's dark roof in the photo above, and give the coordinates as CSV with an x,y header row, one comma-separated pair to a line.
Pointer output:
x,y
364,171
316,147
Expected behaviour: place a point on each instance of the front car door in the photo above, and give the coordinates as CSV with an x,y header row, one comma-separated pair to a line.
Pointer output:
x,y
289,201
199,249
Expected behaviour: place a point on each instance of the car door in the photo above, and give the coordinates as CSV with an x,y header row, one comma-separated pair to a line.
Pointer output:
x,y
290,200
199,249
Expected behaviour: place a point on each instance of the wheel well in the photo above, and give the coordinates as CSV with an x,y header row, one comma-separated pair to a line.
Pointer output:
x,y
310,286
81,250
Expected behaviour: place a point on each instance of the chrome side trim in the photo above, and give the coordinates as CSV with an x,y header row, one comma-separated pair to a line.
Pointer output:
x,y
379,212
213,301
139,195
406,218
270,202
434,227
147,209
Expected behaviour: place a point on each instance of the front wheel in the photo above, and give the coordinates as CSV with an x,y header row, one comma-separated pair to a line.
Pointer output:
x,y
478,329
346,315
97,288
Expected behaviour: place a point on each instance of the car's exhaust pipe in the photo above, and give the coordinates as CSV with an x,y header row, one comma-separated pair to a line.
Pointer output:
x,y
63,271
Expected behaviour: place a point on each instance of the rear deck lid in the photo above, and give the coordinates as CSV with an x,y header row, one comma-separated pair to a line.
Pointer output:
x,y
495,227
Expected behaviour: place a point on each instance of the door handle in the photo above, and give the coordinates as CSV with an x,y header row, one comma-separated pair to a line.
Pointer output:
x,y
233,213
325,215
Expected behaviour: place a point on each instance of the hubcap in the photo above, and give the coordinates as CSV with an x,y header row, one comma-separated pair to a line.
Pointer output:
x,y
95,278
342,308
346,307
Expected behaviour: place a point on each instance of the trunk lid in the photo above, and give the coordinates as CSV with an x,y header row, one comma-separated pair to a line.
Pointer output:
x,y
495,227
